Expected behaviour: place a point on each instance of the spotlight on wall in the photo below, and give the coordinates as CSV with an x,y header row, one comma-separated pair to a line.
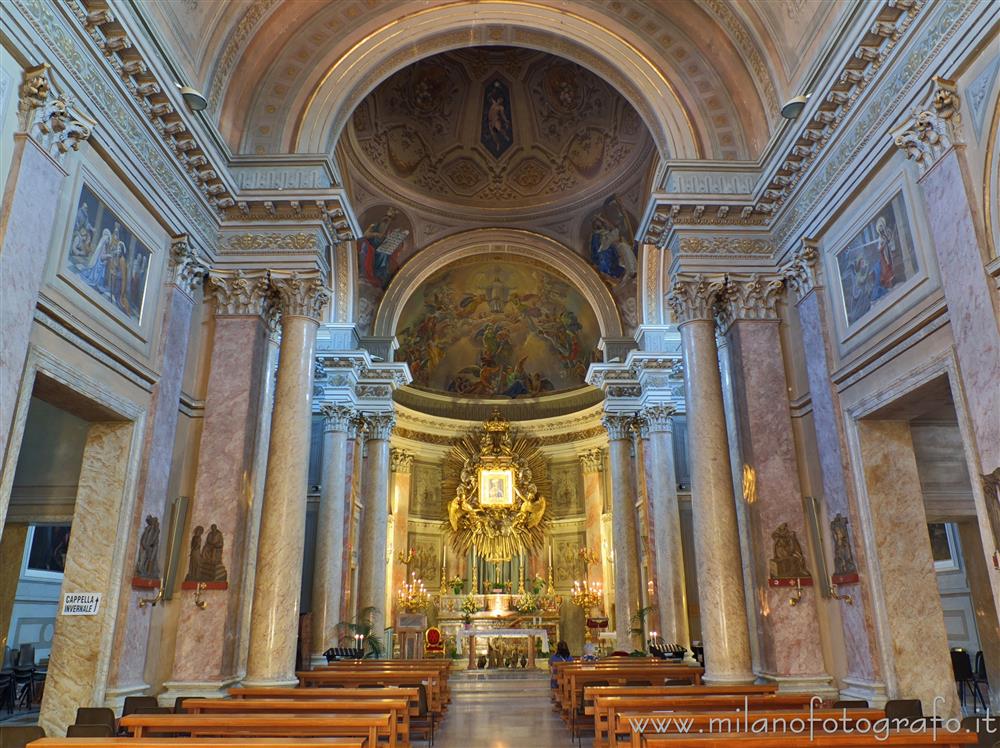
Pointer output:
x,y
794,106
194,100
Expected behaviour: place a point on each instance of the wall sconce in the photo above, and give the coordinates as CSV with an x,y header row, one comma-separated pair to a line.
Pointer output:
x,y
797,595
837,596
199,602
152,601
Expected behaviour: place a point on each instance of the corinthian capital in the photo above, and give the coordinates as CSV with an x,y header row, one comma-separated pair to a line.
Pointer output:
x,y
300,295
380,425
754,297
239,292
692,297
592,461
50,118
619,425
400,461
186,268
337,417
933,129
801,273
658,417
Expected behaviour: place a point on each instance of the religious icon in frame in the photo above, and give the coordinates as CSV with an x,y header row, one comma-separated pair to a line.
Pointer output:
x,y
496,487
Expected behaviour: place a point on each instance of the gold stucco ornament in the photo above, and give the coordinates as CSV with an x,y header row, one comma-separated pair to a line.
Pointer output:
x,y
499,480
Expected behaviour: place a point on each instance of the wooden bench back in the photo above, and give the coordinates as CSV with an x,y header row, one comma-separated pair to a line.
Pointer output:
x,y
836,740
342,742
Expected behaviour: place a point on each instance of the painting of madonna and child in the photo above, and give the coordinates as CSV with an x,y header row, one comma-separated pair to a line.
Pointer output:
x,y
879,258
108,257
497,328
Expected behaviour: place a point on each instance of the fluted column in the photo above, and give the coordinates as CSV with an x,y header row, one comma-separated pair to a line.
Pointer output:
x,y
374,523
717,544
623,526
668,554
328,569
401,466
278,584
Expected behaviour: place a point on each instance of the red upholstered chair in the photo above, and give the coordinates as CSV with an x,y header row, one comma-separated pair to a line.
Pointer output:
x,y
433,641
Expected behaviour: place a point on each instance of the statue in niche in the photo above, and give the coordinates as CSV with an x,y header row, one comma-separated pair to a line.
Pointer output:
x,y
212,568
789,562
147,565
843,556
194,557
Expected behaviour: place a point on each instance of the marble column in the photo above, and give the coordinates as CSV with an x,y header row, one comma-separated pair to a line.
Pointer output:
x,y
206,655
47,130
717,545
863,678
352,529
131,635
623,526
791,651
375,521
592,467
274,618
331,525
401,466
912,604
668,553
644,540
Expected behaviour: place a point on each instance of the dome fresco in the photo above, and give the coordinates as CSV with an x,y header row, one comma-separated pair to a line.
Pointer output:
x,y
497,328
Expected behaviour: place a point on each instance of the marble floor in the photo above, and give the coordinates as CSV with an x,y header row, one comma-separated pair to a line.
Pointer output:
x,y
502,710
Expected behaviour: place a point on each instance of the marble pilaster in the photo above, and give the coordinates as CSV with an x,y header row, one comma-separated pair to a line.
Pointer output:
x,y
863,678
131,636
274,620
791,651
206,655
592,467
374,523
717,546
47,129
401,465
623,526
668,553
915,621
331,524
352,522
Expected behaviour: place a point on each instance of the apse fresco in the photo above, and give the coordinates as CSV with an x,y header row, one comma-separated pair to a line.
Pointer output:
x,y
611,249
497,329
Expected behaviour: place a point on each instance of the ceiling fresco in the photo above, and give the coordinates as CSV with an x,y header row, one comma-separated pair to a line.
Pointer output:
x,y
497,328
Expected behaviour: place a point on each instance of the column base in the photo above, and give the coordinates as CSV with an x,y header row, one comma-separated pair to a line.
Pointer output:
x,y
270,682
114,698
317,660
819,685
211,689
873,692
727,679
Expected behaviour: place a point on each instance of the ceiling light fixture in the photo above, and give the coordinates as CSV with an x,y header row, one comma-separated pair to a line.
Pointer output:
x,y
792,108
193,98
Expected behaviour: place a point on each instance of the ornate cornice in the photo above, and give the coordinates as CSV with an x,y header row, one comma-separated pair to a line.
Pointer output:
x,y
269,241
801,273
619,425
693,297
725,246
592,461
337,417
659,418
933,129
240,292
751,298
400,461
300,295
49,118
187,269
380,425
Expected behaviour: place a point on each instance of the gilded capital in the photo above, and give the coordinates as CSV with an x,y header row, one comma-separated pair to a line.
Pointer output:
x,y
380,425
240,292
400,461
659,417
801,273
692,297
300,295
754,297
933,129
187,269
592,461
619,425
337,417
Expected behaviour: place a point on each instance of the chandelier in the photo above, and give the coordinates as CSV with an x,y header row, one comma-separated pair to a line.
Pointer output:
x,y
412,596
499,481
586,595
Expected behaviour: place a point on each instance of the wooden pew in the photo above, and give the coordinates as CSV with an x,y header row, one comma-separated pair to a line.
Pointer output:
x,y
395,678
398,709
606,707
835,740
441,667
200,742
369,726
306,694
734,722
575,679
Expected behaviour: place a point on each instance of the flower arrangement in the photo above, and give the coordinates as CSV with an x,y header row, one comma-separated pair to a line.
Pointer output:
x,y
526,603
469,605
457,584
537,584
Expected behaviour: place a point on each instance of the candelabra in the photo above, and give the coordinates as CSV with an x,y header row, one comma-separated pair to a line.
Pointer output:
x,y
586,595
413,596
405,557
589,557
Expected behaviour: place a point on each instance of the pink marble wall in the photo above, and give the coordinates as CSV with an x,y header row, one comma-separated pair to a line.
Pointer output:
x,y
400,496
857,623
973,303
27,215
352,476
207,639
790,634
131,636
593,504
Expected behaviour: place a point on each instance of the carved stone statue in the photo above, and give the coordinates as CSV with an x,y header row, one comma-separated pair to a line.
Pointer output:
x,y
212,568
147,564
789,562
843,556
194,558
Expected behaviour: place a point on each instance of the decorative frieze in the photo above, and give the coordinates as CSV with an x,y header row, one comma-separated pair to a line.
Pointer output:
x,y
659,418
693,297
725,246
400,461
269,241
300,295
337,417
619,425
934,129
380,425
592,461
240,292
187,269
801,273
754,297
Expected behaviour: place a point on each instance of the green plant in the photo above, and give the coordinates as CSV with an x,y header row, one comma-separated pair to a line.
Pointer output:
x,y
364,626
457,585
469,605
638,618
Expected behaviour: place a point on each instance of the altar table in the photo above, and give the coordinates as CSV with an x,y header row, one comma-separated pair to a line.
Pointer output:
x,y
471,635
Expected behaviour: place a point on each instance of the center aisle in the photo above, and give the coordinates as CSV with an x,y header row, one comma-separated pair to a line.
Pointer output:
x,y
501,709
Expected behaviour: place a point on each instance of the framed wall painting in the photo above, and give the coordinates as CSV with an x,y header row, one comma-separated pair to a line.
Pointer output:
x,y
496,487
